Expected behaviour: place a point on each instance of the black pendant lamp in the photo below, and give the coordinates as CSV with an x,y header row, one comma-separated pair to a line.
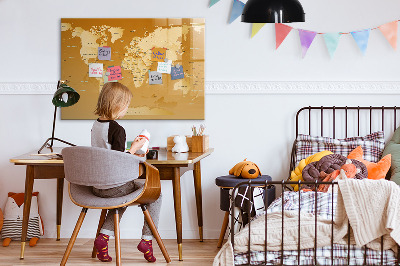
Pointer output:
x,y
273,11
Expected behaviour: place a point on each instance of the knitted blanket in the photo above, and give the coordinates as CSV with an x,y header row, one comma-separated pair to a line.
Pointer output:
x,y
371,207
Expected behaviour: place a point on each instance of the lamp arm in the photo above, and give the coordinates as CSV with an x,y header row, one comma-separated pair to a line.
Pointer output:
x,y
54,126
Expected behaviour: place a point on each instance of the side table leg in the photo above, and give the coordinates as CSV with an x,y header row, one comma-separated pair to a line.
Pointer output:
x,y
176,182
60,191
223,229
27,206
199,204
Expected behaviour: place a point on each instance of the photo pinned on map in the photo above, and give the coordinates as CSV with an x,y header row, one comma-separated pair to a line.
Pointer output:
x,y
106,74
104,53
158,54
177,72
115,73
95,70
164,67
155,77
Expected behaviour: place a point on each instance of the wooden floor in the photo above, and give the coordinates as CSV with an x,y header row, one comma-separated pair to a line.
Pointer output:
x,y
50,252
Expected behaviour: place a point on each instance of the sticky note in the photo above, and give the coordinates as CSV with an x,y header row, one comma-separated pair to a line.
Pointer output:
x,y
115,73
177,72
164,67
158,54
155,77
106,77
104,53
95,70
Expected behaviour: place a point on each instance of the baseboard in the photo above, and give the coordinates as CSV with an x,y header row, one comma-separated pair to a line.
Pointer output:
x,y
246,87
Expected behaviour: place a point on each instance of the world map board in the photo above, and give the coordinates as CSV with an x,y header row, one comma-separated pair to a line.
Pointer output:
x,y
138,48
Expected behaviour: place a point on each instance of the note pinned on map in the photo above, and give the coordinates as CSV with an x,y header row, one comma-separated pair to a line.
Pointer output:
x,y
104,53
164,67
177,72
115,73
106,77
95,70
158,54
155,78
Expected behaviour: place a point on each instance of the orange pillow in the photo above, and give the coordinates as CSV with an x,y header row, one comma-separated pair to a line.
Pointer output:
x,y
375,170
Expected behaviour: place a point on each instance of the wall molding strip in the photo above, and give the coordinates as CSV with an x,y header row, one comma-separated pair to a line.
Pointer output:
x,y
244,87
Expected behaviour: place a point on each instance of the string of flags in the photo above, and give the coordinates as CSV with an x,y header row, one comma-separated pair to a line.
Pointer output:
x,y
361,37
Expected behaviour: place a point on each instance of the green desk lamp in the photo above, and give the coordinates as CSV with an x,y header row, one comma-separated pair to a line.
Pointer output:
x,y
65,96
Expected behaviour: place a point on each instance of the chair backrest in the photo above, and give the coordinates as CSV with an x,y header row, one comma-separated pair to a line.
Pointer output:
x,y
92,166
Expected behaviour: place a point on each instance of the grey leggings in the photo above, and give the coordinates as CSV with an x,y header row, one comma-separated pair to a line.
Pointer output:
x,y
154,208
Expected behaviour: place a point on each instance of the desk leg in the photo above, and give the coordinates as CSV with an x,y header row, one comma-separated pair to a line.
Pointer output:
x,y
199,204
176,182
27,206
60,190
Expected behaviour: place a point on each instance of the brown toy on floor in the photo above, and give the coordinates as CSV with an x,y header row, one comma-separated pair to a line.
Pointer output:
x,y
12,222
245,169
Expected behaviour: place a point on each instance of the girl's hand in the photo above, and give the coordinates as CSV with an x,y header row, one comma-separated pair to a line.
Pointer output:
x,y
137,144
143,155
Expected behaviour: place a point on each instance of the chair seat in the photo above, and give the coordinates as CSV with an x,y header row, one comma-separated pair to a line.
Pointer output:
x,y
83,196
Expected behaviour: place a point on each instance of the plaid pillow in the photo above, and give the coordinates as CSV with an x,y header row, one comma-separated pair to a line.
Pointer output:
x,y
372,145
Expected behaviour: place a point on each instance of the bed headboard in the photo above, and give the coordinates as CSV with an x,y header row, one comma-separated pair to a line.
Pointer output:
x,y
344,121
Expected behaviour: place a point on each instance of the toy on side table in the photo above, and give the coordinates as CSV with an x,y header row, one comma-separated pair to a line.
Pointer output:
x,y
245,169
13,215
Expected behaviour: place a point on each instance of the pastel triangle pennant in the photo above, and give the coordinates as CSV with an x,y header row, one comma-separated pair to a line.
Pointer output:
x,y
281,31
332,41
361,37
306,39
389,30
237,9
256,28
213,2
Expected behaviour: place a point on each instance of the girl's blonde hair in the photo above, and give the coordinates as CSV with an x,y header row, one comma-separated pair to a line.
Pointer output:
x,y
113,98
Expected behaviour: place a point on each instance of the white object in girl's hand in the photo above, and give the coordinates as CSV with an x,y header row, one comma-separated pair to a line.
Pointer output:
x,y
180,144
144,134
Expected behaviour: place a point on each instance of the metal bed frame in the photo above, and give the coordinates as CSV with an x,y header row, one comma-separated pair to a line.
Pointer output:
x,y
283,184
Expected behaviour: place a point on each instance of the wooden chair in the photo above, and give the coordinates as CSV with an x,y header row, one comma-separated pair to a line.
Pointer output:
x,y
85,167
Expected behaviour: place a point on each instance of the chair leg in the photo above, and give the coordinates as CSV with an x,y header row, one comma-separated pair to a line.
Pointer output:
x,y
154,230
117,239
101,222
73,237
223,229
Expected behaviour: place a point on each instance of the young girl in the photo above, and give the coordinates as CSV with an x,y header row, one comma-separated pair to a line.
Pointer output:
x,y
113,103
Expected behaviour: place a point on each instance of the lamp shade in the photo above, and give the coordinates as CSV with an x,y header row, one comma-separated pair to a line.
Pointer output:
x,y
273,11
65,96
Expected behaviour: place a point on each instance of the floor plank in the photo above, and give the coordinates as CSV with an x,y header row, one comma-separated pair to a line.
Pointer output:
x,y
50,252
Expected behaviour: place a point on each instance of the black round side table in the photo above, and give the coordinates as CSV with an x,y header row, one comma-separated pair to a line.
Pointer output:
x,y
228,182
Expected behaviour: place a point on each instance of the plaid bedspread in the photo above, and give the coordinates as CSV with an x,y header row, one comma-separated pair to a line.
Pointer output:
x,y
321,205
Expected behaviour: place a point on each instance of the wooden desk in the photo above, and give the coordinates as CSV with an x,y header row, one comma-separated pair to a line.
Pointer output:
x,y
171,167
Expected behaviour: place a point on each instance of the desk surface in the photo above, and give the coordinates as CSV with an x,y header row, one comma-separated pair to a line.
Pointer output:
x,y
164,157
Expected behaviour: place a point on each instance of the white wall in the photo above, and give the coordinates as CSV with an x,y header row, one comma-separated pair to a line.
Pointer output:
x,y
258,127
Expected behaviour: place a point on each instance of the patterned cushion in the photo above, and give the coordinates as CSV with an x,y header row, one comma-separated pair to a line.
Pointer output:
x,y
372,144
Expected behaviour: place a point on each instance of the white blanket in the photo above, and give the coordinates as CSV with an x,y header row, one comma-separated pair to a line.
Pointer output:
x,y
371,206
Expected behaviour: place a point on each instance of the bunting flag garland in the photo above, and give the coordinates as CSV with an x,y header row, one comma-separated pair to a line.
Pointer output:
x,y
361,37
389,30
213,2
256,28
306,39
237,9
332,41
281,31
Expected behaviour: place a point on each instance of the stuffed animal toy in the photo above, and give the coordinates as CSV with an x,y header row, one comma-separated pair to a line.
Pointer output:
x,y
375,170
245,169
180,144
13,215
1,220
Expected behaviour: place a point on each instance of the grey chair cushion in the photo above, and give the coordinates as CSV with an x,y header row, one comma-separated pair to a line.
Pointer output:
x,y
99,167
83,195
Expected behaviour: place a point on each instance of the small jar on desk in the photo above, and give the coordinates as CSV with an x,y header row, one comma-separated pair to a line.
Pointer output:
x,y
226,183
